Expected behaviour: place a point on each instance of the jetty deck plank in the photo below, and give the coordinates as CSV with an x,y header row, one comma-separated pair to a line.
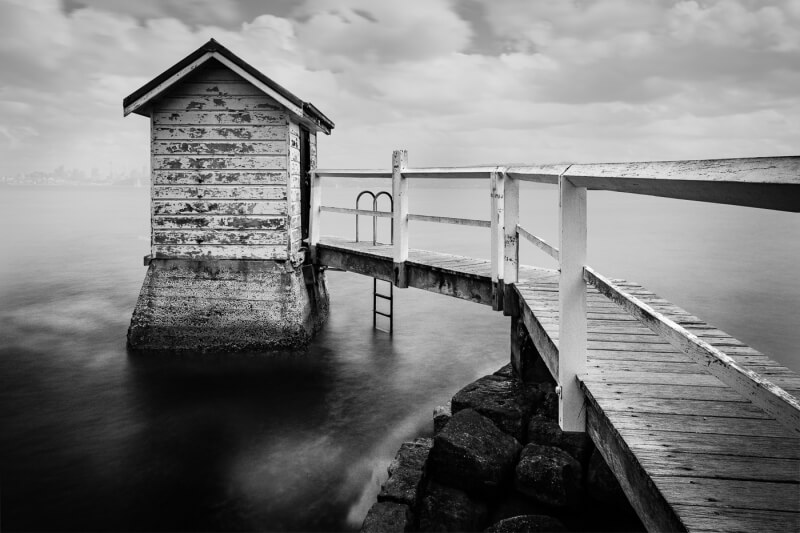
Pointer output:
x,y
690,452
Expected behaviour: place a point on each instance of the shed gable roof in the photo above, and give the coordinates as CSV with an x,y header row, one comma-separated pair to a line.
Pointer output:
x,y
137,101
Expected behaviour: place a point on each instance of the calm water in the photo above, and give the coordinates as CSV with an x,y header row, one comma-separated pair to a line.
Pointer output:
x,y
92,438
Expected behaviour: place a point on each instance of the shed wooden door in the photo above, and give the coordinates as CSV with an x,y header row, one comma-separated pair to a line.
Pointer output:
x,y
305,182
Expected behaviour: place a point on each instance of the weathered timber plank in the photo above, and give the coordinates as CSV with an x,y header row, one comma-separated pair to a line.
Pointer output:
x,y
219,222
541,340
243,237
219,88
217,103
642,357
535,274
719,466
201,118
761,391
220,133
220,192
730,493
219,207
636,390
593,315
263,162
711,443
214,71
220,177
697,424
631,346
681,367
450,284
767,182
216,148
646,499
551,323
703,518
205,252
370,265
624,338
644,377
682,406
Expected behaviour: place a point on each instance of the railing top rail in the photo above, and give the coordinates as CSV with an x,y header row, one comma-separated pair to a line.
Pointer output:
x,y
767,182
754,170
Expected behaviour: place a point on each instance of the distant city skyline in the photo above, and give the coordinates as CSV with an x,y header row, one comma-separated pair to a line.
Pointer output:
x,y
454,82
63,175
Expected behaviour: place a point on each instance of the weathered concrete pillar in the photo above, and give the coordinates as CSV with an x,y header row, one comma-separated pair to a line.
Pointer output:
x,y
227,306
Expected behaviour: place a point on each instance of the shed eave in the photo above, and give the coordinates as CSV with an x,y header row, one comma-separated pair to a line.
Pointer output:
x,y
137,102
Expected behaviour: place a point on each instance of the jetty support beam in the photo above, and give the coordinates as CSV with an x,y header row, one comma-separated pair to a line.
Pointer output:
x,y
400,228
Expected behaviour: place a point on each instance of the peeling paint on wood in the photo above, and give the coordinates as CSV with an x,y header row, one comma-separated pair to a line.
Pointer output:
x,y
219,148
216,251
274,132
273,177
261,118
219,163
220,168
265,207
242,237
277,223
218,103
216,88
249,192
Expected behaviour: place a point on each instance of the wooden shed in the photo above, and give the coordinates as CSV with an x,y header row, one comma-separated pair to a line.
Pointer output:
x,y
230,150
230,155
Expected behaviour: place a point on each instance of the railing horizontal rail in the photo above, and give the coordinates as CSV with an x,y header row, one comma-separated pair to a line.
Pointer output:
x,y
766,182
348,211
540,243
351,173
450,172
766,395
451,220
537,173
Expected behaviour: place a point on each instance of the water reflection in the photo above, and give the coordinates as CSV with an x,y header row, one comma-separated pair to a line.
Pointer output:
x,y
92,438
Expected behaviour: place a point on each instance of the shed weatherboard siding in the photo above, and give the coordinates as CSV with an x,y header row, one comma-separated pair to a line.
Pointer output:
x,y
220,169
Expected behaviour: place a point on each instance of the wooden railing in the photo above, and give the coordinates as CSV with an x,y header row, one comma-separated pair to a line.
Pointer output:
x,y
769,183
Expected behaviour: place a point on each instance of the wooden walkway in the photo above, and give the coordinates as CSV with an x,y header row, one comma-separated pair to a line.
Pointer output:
x,y
690,452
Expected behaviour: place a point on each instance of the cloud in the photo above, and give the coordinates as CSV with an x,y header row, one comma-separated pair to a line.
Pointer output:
x,y
364,30
481,82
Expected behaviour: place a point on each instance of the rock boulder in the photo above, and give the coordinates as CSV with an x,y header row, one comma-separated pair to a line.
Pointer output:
x,y
507,402
388,517
406,473
549,476
471,453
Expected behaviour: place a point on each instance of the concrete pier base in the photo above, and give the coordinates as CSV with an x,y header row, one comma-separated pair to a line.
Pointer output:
x,y
227,306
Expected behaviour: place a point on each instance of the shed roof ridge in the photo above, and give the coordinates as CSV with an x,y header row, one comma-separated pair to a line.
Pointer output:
x,y
213,46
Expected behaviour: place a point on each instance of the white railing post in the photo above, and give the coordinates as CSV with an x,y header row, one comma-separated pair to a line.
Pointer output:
x,y
400,229
572,306
497,218
315,214
510,242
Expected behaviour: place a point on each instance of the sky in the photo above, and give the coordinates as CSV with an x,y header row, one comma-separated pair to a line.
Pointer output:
x,y
455,82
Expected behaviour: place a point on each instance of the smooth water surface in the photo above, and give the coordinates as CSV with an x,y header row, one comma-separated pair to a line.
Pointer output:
x,y
93,438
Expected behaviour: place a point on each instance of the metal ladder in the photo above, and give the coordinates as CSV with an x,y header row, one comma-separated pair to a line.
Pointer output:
x,y
375,294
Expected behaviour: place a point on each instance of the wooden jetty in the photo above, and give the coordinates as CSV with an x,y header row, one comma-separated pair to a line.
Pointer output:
x,y
702,431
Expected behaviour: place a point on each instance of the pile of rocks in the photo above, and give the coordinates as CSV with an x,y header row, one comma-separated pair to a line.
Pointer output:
x,y
499,462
